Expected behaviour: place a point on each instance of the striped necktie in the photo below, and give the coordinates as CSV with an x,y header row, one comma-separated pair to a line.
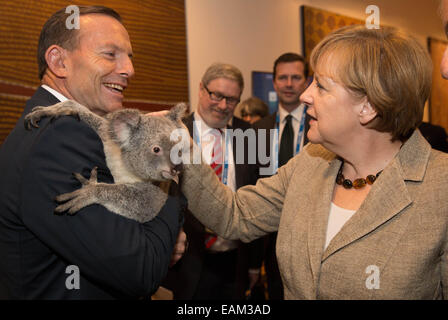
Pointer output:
x,y
216,164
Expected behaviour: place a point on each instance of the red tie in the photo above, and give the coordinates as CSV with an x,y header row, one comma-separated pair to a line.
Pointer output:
x,y
216,164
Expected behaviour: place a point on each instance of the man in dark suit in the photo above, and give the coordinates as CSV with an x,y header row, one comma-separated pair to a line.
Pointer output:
x,y
285,136
94,254
435,135
212,267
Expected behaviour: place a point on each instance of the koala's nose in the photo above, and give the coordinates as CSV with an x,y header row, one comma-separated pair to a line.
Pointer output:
x,y
177,169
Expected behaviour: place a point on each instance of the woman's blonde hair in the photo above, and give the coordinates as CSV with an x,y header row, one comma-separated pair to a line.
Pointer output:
x,y
387,66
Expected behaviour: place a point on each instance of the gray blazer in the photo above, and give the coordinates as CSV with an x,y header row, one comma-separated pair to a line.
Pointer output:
x,y
393,247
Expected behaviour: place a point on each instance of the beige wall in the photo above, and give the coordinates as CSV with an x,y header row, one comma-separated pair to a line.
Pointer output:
x,y
252,33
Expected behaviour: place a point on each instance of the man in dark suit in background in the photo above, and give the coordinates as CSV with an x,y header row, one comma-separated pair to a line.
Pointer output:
x,y
435,135
291,124
213,267
95,254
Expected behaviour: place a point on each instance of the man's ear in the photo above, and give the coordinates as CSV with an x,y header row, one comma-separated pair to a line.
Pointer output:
x,y
55,57
201,86
367,112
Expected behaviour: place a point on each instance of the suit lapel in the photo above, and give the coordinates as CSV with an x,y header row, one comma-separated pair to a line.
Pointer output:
x,y
41,97
271,122
239,168
317,227
242,170
388,197
188,121
272,118
270,125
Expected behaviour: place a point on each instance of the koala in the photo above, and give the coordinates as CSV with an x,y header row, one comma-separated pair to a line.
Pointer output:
x,y
137,148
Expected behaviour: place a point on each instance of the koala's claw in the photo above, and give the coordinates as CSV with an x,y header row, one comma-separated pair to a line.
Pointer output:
x,y
53,112
30,122
70,200
32,118
80,178
84,181
74,201
94,174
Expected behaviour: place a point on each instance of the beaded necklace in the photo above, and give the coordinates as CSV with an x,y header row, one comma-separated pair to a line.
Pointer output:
x,y
358,183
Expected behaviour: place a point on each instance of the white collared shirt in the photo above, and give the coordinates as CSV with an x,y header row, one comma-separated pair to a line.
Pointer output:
x,y
206,139
337,218
207,148
297,115
58,95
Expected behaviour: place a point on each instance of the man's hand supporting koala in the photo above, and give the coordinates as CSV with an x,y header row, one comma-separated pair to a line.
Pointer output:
x,y
137,149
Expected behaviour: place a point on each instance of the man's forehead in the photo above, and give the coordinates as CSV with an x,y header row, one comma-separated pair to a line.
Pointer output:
x,y
104,30
298,67
99,22
223,81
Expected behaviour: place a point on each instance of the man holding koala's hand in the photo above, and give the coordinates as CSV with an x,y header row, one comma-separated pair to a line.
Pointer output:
x,y
94,254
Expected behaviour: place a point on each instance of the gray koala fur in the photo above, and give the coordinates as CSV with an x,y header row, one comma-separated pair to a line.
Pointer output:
x,y
137,148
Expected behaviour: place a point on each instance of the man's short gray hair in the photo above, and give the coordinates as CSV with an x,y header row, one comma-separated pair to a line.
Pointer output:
x,y
223,70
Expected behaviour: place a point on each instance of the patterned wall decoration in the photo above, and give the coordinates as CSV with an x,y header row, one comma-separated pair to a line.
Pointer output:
x,y
438,102
158,34
317,23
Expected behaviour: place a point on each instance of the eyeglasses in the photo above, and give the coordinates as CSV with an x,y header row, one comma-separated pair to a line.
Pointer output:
x,y
216,96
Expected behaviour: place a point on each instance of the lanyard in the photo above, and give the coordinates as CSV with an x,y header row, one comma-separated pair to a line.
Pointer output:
x,y
197,139
277,134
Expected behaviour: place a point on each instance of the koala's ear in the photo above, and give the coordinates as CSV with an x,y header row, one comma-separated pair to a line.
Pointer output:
x,y
123,125
177,112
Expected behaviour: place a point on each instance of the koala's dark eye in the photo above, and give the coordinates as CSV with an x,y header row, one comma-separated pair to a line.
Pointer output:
x,y
156,149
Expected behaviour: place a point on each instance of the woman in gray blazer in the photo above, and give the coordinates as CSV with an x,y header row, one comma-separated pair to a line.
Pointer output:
x,y
362,212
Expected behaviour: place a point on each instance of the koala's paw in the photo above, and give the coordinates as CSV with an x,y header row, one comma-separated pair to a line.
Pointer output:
x,y
78,199
53,112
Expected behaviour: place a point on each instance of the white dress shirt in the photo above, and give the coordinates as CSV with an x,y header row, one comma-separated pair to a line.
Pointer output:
x,y
297,115
206,141
58,95
338,217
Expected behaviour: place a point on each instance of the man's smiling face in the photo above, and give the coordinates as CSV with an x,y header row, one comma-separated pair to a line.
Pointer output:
x,y
99,67
216,114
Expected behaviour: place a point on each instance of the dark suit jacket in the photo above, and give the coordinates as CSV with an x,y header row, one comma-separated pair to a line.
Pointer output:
x,y
268,123
184,276
116,257
275,288
435,135
400,229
